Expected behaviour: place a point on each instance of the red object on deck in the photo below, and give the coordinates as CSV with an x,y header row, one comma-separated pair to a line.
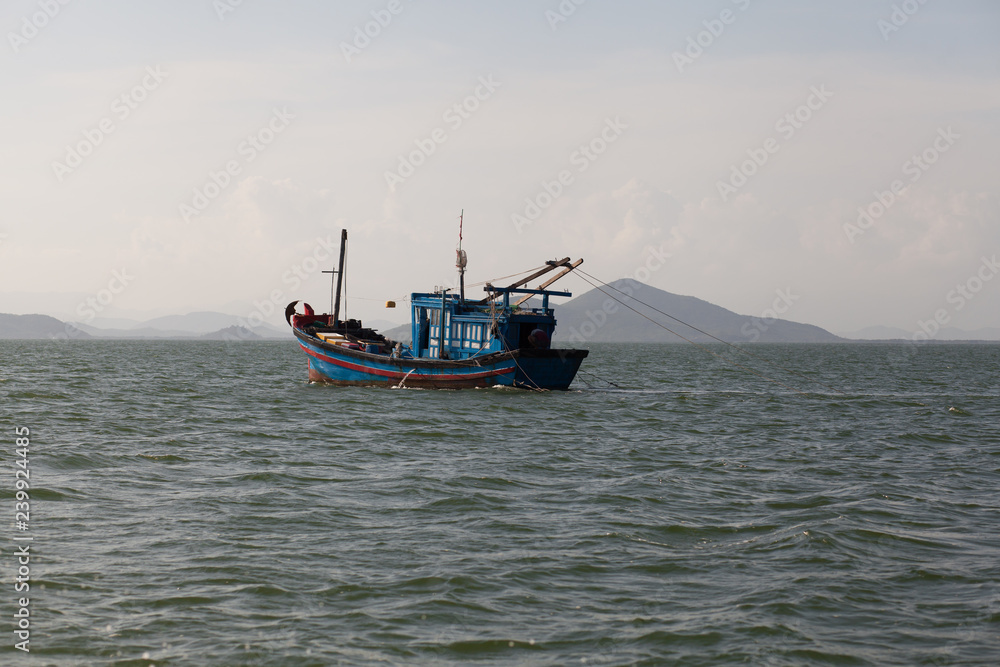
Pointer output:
x,y
309,318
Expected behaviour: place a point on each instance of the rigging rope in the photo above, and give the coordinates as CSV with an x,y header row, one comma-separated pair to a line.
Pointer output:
x,y
586,277
594,375
493,280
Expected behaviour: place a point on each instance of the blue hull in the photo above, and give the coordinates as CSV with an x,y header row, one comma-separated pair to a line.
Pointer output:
x,y
541,369
547,369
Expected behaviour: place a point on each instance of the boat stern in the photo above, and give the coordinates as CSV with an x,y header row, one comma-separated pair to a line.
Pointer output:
x,y
547,368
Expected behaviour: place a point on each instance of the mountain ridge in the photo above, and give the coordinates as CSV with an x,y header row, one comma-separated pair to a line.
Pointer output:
x,y
608,316
33,327
36,327
590,317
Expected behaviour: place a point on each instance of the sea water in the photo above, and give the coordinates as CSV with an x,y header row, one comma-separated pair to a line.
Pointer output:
x,y
200,503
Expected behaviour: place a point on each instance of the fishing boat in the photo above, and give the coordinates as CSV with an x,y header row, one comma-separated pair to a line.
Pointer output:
x,y
502,339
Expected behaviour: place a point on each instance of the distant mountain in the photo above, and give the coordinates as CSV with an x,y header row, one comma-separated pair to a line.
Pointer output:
x,y
37,326
234,333
114,323
208,322
878,333
591,317
951,333
43,326
946,334
400,333
595,317
382,325
140,332
191,325
198,322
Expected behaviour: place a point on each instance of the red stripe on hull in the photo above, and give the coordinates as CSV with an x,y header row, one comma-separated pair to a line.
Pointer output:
x,y
412,378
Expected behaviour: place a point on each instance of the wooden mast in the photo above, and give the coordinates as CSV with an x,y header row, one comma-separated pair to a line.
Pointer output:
x,y
340,276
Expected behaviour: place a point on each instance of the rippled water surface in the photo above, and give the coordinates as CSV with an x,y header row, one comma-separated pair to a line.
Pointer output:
x,y
201,504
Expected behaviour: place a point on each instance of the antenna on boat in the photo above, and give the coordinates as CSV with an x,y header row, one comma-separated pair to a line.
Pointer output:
x,y
461,259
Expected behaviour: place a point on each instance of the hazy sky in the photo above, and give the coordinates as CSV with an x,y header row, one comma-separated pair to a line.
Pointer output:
x,y
739,137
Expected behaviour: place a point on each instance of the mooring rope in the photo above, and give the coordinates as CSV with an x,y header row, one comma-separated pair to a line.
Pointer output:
x,y
595,375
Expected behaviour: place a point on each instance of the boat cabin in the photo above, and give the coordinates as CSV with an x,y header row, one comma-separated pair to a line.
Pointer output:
x,y
446,327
